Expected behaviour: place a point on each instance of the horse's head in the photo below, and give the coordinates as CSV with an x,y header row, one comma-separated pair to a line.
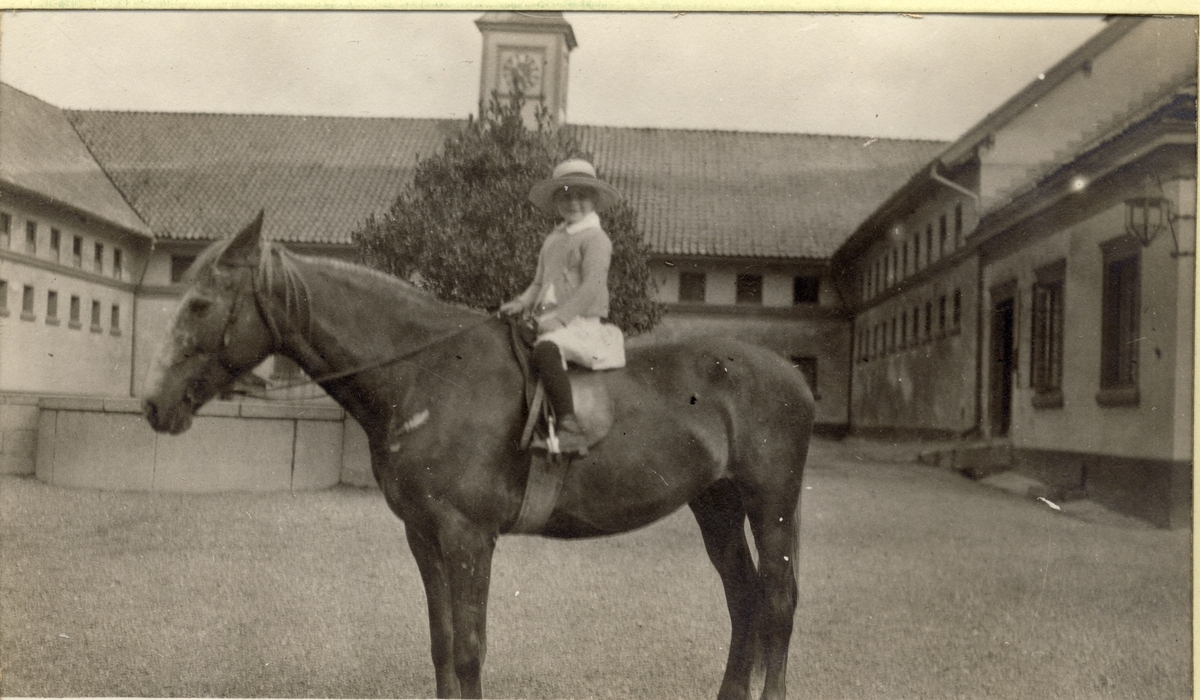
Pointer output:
x,y
218,333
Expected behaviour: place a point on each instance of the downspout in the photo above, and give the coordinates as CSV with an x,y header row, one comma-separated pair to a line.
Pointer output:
x,y
979,320
133,316
933,173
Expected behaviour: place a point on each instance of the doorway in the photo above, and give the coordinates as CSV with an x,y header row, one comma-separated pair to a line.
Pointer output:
x,y
1000,387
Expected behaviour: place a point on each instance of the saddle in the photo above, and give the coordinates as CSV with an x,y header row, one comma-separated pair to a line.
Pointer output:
x,y
547,465
593,405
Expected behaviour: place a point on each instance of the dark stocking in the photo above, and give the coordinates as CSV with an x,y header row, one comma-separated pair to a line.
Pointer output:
x,y
548,363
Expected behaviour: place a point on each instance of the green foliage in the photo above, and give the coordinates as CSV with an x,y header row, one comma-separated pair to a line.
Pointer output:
x,y
465,230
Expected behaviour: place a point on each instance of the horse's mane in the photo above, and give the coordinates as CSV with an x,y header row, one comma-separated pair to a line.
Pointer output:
x,y
278,269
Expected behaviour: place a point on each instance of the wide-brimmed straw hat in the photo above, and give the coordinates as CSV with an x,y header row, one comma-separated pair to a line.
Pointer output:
x,y
575,172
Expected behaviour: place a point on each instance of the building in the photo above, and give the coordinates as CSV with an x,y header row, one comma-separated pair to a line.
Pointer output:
x,y
1033,285
71,254
1026,289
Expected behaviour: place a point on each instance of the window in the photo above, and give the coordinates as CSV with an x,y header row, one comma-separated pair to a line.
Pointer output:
x,y
1046,341
904,329
916,252
114,321
52,308
99,259
3,298
5,229
958,226
892,340
942,236
691,286
806,290
31,237
77,252
942,314
1119,323
916,330
27,304
904,260
928,244
749,289
928,319
180,265
807,367
74,322
55,244
117,269
957,308
96,316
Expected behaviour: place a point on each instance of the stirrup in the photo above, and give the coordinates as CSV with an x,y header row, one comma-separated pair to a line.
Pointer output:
x,y
553,445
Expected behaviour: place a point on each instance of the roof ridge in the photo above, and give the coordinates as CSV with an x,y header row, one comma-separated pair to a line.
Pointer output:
x,y
852,137
257,115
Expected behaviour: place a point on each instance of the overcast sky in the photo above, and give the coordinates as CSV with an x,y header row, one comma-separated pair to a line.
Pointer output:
x,y
865,75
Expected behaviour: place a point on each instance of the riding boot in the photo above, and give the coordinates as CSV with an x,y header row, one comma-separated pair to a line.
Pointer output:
x,y
548,360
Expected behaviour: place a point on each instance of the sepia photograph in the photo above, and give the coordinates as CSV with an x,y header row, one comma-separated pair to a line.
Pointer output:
x,y
596,354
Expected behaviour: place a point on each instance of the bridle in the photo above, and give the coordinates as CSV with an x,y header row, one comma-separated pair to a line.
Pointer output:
x,y
277,342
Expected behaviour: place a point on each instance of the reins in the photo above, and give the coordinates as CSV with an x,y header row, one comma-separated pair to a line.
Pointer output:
x,y
277,340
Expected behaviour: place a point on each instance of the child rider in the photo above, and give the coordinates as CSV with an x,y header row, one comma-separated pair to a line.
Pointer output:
x,y
569,293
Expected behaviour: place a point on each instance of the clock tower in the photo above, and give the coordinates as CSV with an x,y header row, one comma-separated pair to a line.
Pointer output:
x,y
529,51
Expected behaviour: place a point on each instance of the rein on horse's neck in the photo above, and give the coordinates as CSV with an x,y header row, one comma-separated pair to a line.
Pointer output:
x,y
265,279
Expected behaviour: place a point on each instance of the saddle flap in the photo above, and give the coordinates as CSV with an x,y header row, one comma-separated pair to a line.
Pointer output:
x,y
593,403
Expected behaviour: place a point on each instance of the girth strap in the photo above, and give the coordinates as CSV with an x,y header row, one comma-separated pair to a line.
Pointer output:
x,y
546,472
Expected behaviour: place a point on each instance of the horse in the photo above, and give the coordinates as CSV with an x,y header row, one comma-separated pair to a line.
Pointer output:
x,y
716,424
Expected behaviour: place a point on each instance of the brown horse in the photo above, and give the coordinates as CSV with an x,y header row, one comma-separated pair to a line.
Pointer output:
x,y
716,424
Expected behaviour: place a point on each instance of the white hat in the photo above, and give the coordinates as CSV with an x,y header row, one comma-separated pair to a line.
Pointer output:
x,y
575,172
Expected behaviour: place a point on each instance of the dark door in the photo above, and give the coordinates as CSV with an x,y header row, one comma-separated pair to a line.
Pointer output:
x,y
1000,381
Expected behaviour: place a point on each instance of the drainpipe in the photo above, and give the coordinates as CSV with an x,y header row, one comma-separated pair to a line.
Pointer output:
x,y
133,315
933,173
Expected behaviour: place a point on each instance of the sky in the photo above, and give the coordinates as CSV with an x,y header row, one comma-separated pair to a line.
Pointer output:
x,y
886,76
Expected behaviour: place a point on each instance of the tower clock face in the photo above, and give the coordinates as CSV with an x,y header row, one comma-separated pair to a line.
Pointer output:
x,y
523,70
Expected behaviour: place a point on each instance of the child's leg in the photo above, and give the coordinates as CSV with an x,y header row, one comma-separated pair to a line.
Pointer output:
x,y
548,361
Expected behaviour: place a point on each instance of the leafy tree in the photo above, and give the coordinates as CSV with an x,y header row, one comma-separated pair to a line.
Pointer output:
x,y
465,230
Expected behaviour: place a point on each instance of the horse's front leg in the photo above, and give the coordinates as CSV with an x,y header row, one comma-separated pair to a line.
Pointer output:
x,y
456,565
437,597
467,549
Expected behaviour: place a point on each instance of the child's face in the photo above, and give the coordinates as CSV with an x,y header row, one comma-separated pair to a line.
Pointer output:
x,y
574,203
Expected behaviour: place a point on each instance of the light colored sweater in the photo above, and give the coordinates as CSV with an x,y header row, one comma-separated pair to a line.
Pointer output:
x,y
572,272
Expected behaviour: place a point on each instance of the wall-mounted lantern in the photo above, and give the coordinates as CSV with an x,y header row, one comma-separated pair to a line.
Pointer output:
x,y
1146,217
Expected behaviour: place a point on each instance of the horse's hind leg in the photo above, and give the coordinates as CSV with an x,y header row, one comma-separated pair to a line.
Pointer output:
x,y
773,522
721,517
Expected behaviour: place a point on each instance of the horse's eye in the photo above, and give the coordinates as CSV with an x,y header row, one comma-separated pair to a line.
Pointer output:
x,y
199,307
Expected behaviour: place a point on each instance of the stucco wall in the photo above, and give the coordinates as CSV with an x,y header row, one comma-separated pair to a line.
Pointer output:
x,y
823,337
1124,79
51,354
106,444
1159,425
927,383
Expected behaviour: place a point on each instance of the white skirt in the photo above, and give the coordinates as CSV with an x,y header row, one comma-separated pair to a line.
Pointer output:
x,y
588,342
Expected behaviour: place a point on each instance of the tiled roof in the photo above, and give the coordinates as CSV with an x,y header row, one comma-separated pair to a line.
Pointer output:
x,y
202,176
41,153
743,194
194,176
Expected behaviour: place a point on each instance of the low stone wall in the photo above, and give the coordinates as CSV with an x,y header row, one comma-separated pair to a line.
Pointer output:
x,y
105,443
18,433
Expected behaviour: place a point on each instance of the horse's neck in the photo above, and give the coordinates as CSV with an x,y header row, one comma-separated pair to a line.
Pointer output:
x,y
358,318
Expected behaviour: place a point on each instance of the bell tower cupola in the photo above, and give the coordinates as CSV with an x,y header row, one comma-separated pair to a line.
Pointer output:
x,y
529,50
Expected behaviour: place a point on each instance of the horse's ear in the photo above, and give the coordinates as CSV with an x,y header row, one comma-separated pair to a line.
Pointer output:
x,y
247,245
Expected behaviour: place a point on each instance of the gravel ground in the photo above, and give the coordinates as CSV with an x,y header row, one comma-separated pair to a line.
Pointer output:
x,y
916,583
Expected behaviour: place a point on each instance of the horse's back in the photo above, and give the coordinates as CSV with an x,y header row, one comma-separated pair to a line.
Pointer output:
x,y
734,367
726,391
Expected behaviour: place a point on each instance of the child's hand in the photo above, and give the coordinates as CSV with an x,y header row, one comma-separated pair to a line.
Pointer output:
x,y
549,323
512,308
